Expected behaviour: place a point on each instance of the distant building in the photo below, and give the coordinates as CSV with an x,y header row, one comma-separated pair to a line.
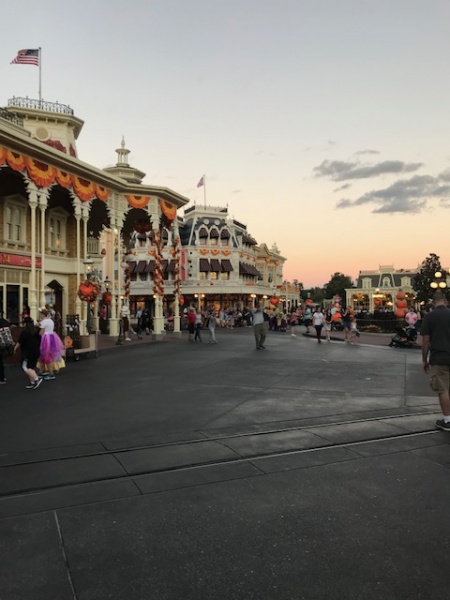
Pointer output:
x,y
376,290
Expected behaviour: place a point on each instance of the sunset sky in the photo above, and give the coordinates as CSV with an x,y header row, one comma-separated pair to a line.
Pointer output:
x,y
322,124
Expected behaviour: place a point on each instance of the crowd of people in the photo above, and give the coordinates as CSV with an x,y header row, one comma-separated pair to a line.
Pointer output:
x,y
40,347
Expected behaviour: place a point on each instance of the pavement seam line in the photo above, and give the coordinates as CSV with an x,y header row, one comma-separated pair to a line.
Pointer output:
x,y
63,551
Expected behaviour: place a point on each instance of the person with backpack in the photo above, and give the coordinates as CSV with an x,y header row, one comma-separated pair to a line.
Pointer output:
x,y
29,343
6,345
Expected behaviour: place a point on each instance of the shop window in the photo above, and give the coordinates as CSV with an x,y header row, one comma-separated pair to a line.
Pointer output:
x,y
213,275
224,276
14,220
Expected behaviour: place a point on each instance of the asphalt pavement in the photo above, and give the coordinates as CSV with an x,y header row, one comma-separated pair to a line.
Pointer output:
x,y
169,470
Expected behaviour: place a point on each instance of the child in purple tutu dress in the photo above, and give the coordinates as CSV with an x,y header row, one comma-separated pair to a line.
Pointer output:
x,y
52,348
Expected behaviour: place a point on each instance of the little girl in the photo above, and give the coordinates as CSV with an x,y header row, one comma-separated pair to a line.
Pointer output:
x,y
354,333
52,349
327,325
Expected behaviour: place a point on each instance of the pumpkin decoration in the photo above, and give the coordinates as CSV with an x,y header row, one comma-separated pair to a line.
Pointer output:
x,y
106,298
274,301
103,251
88,291
181,300
401,304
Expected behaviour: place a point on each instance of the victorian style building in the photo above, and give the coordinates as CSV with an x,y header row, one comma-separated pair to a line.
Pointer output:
x,y
376,290
77,237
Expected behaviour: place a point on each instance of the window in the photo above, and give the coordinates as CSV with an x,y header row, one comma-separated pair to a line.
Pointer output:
x,y
386,282
15,219
224,276
57,220
405,281
213,275
366,283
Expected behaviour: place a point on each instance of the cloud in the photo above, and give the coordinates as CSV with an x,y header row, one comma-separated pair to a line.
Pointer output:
x,y
360,152
405,195
343,187
337,170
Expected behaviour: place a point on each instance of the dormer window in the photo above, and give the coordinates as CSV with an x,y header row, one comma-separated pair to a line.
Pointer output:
x,y
203,236
214,237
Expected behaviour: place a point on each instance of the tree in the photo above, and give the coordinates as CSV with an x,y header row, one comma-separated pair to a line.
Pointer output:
x,y
337,286
421,282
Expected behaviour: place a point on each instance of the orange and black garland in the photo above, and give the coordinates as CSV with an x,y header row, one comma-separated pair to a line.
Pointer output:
x,y
176,256
158,280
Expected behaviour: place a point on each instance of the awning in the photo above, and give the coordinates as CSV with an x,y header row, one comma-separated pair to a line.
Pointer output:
x,y
245,269
141,267
151,266
203,233
204,265
224,234
213,233
132,266
215,265
246,239
226,266
171,266
164,265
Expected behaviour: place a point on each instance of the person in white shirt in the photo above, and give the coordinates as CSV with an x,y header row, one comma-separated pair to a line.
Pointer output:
x,y
318,318
52,348
259,328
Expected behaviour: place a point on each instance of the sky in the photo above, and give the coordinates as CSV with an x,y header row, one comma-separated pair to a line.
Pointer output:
x,y
321,124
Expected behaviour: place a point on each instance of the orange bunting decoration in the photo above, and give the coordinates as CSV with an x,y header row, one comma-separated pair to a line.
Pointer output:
x,y
168,209
43,175
101,192
64,179
137,201
15,161
85,190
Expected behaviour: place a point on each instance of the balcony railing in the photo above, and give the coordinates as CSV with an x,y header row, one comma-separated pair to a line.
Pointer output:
x,y
11,117
55,107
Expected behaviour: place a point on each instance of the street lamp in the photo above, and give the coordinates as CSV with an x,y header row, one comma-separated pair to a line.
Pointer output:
x,y
439,281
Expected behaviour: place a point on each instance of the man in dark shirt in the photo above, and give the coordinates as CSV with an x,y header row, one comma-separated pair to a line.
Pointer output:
x,y
436,343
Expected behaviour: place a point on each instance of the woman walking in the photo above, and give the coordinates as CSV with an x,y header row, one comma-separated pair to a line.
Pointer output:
x,y
198,326
52,349
29,343
318,319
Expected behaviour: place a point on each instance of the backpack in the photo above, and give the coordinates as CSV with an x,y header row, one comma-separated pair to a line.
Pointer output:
x,y
6,341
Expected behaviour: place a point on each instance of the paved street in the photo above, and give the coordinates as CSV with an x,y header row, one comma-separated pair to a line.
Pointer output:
x,y
169,470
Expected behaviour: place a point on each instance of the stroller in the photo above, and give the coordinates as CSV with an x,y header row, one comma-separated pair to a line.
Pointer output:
x,y
405,337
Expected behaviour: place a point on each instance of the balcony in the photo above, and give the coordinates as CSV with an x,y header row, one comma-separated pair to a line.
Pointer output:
x,y
54,107
11,117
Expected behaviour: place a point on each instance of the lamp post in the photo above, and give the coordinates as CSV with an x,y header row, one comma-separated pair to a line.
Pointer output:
x,y
107,284
439,282
88,262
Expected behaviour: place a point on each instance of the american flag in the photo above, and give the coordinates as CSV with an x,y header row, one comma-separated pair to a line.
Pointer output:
x,y
27,57
201,182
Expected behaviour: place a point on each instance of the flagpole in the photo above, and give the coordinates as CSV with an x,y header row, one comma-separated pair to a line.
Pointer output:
x,y
40,77
204,190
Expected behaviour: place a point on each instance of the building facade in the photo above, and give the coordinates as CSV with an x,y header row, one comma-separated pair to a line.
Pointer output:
x,y
83,239
376,290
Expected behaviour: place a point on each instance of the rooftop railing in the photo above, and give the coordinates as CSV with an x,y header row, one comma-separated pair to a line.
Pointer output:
x,y
11,117
55,107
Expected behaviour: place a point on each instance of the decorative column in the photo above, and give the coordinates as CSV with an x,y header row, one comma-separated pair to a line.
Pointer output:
x,y
158,287
177,280
87,305
77,211
32,295
43,203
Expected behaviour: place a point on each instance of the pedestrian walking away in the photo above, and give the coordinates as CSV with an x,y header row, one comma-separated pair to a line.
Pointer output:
x,y
191,323
211,324
327,325
318,319
259,327
198,326
6,345
436,354
52,349
29,344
